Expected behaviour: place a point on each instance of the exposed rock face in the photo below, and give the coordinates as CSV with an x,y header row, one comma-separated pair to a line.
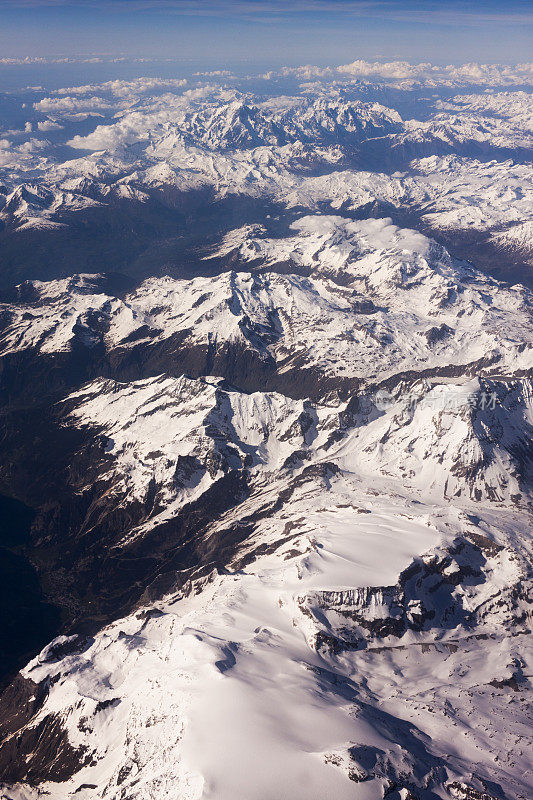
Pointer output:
x,y
270,515
303,336
201,497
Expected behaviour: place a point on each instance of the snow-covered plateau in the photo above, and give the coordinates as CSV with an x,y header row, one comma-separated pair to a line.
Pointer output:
x,y
266,437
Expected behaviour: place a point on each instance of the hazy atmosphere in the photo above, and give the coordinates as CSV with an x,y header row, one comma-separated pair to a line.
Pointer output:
x,y
269,32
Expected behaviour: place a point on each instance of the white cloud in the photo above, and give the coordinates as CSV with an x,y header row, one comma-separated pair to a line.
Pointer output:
x,y
96,59
69,104
120,88
404,74
33,145
215,73
110,137
140,123
430,75
49,125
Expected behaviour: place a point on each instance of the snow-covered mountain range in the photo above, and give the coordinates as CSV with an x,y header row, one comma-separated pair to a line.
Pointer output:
x,y
268,484
461,166
364,301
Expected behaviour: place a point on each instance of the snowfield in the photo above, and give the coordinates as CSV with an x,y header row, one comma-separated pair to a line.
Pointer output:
x,y
375,301
306,665
277,461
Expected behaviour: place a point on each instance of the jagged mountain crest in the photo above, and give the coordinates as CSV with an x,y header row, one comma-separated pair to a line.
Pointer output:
x,y
471,439
389,299
238,124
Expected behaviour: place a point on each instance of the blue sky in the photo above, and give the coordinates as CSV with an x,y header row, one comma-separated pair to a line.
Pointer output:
x,y
223,32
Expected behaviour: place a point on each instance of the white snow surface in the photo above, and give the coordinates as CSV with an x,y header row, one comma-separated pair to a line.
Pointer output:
x,y
224,690
378,300
227,688
299,148
369,634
